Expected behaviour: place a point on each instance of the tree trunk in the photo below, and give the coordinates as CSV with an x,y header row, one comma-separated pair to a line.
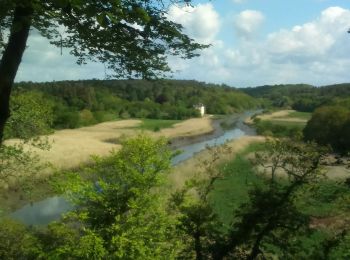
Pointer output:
x,y
11,59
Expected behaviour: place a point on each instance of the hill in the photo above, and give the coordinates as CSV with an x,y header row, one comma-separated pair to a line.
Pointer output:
x,y
301,97
81,103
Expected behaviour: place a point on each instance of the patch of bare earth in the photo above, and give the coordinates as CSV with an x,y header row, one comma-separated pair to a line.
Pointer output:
x,y
331,223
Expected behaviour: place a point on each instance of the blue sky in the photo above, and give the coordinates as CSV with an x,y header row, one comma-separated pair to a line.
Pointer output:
x,y
253,42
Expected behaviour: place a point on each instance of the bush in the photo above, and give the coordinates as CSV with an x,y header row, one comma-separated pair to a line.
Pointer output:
x,y
330,125
87,118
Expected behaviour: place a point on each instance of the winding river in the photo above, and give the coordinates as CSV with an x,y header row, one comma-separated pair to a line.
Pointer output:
x,y
50,209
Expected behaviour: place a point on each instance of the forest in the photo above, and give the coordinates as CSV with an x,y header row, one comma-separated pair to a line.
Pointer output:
x,y
302,97
82,103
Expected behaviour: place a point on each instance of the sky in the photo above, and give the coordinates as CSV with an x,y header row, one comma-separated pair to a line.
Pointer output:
x,y
252,43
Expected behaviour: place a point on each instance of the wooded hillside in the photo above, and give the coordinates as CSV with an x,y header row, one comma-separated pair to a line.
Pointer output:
x,y
79,103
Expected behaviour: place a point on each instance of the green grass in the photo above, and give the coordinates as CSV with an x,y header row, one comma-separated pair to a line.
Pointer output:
x,y
231,191
324,199
279,128
287,123
157,124
321,200
301,115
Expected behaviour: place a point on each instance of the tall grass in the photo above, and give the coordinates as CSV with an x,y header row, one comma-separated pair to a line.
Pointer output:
x,y
157,124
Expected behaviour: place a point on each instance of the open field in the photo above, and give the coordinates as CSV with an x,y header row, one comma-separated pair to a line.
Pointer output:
x,y
70,148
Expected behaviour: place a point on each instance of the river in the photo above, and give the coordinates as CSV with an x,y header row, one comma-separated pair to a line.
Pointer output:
x,y
51,209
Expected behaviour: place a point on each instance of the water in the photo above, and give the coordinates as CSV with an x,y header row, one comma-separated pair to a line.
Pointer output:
x,y
42,212
50,209
188,151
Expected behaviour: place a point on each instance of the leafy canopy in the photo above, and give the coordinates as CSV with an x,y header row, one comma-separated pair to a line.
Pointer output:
x,y
132,37
118,202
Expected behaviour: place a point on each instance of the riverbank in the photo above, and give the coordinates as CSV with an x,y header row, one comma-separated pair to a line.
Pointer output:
x,y
73,147
209,131
194,166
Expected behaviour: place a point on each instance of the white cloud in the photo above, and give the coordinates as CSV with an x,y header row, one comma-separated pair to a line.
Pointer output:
x,y
316,52
201,22
248,22
313,39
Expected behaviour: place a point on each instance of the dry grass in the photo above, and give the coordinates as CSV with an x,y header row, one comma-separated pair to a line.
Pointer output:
x,y
190,127
337,172
194,167
282,115
70,148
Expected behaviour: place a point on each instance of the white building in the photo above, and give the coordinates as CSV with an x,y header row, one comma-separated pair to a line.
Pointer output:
x,y
201,108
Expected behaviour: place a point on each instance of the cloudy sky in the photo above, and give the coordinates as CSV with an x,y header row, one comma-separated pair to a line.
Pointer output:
x,y
253,42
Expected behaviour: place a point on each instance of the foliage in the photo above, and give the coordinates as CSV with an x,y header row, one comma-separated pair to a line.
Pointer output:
x,y
278,128
197,218
31,115
18,161
17,242
73,102
62,240
116,201
133,38
120,213
302,97
270,217
330,125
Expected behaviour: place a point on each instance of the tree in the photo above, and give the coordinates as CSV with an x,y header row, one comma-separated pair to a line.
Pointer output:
x,y
29,120
132,37
330,125
271,217
17,242
197,218
31,116
118,201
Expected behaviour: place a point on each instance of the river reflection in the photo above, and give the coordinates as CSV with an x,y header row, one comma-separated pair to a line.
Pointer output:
x,y
188,151
42,212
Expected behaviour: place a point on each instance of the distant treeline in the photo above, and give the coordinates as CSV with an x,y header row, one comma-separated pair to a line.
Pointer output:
x,y
80,103
330,121
302,97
